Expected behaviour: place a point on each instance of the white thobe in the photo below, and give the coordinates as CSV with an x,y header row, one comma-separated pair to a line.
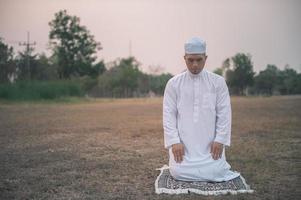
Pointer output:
x,y
196,112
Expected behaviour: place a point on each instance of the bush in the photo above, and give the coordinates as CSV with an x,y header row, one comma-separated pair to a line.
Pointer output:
x,y
35,90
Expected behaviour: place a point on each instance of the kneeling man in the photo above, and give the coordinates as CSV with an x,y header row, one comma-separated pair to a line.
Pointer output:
x,y
197,120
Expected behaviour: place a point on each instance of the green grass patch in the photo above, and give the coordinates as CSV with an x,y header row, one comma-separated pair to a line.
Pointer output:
x,y
41,90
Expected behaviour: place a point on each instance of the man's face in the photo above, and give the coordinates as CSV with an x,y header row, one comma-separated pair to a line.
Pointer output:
x,y
195,62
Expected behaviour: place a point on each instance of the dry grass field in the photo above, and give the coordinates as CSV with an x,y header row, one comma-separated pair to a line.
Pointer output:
x,y
109,149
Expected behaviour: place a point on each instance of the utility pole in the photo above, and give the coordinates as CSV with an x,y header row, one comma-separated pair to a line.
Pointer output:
x,y
130,48
28,44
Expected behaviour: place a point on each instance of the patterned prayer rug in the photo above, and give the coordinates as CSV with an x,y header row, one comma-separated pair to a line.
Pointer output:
x,y
165,183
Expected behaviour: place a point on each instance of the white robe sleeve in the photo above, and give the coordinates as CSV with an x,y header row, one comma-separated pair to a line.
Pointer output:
x,y
223,114
171,135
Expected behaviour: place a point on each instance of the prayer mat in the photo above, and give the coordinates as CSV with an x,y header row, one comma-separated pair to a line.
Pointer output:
x,y
165,183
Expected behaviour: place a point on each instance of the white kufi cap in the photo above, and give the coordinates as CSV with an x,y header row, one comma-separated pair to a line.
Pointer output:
x,y
195,45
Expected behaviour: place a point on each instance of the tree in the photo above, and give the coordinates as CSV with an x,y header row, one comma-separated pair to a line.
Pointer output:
x,y
45,69
97,69
7,63
267,80
225,66
158,82
240,75
27,64
124,79
127,76
289,81
219,71
120,80
73,46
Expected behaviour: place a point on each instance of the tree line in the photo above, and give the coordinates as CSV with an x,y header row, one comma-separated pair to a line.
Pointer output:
x,y
73,57
242,80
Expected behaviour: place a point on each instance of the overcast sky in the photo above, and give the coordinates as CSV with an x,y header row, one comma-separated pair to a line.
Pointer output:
x,y
270,30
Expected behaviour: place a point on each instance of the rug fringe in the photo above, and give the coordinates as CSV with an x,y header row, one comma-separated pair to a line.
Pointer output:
x,y
159,191
245,183
206,193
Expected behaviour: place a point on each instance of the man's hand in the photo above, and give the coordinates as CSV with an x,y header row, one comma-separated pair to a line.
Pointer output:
x,y
216,150
178,152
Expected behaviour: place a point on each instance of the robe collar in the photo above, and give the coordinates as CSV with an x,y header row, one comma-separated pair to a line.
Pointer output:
x,y
194,76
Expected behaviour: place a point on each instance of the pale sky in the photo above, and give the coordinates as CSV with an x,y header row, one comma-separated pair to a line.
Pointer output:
x,y
270,30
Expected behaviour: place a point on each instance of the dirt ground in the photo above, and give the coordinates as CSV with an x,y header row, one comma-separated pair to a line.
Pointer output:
x,y
109,149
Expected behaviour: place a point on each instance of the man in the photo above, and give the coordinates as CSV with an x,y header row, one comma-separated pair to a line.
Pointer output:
x,y
197,120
